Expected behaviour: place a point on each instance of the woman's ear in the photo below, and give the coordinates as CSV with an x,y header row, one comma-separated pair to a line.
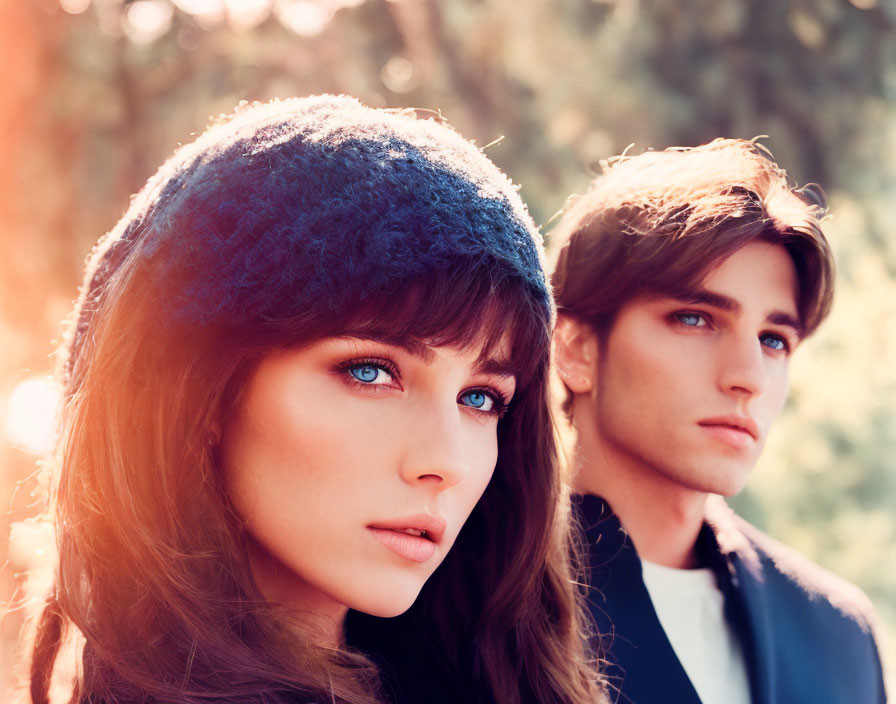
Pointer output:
x,y
575,354
213,437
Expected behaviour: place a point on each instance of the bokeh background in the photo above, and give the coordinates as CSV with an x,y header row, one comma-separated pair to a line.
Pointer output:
x,y
96,94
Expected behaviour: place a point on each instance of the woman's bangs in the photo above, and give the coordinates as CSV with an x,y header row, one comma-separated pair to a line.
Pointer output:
x,y
463,308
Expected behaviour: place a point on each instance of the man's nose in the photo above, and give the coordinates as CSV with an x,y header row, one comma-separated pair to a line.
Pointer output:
x,y
743,369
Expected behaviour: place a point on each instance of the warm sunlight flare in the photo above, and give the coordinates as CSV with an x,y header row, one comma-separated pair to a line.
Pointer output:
x,y
31,415
147,20
203,9
303,17
74,7
244,14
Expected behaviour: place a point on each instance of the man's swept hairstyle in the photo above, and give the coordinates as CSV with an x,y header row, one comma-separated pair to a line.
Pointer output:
x,y
658,222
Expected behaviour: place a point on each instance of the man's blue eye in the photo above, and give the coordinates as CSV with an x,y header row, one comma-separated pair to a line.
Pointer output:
x,y
367,373
773,342
478,400
690,319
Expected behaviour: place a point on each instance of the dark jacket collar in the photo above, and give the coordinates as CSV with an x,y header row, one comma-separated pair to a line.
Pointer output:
x,y
638,655
640,658
721,536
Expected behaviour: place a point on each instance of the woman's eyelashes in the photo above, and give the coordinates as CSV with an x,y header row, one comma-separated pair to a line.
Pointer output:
x,y
370,372
374,373
484,400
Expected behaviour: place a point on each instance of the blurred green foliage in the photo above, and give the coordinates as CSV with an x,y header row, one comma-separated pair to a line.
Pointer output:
x,y
95,100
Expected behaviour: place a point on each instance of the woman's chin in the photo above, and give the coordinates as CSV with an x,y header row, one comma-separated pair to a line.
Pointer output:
x,y
387,604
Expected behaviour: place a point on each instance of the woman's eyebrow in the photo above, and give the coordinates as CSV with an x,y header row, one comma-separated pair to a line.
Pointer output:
x,y
409,345
496,367
490,365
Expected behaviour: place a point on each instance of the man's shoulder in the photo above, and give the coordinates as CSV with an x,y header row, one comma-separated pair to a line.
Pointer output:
x,y
780,567
803,615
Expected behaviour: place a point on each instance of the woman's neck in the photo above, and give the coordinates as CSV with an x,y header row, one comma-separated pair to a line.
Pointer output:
x,y
319,617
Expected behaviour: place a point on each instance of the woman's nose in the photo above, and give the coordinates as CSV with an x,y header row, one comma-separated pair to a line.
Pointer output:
x,y
435,450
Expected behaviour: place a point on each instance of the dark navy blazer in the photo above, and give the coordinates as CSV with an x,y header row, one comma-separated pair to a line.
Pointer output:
x,y
806,633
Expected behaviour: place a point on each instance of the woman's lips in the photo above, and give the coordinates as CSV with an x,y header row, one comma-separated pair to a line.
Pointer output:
x,y
413,537
411,547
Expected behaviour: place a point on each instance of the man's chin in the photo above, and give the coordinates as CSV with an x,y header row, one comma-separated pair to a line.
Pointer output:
x,y
727,485
726,481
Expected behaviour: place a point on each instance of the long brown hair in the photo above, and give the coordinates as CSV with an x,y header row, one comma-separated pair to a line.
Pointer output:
x,y
153,569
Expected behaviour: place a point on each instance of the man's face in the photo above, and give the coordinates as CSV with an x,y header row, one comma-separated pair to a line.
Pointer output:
x,y
687,390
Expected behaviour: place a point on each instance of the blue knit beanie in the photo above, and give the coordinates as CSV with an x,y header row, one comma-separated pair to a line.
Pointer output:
x,y
310,202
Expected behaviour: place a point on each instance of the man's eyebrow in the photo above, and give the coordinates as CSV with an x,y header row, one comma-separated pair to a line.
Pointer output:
x,y
701,296
779,317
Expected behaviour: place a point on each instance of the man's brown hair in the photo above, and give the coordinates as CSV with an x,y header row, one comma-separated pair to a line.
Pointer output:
x,y
658,222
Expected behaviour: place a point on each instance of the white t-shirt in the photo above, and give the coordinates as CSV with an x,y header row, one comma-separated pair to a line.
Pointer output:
x,y
691,609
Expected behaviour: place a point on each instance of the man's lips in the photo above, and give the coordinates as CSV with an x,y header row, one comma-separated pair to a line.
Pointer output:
x,y
732,429
413,538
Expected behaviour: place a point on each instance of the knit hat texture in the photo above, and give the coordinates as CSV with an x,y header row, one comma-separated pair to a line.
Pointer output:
x,y
312,202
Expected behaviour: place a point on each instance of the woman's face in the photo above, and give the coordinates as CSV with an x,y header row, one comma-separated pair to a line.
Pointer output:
x,y
354,464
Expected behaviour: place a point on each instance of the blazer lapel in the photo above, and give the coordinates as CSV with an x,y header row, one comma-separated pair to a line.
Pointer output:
x,y
641,667
746,599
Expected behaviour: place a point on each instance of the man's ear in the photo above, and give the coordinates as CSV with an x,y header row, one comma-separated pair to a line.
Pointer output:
x,y
575,353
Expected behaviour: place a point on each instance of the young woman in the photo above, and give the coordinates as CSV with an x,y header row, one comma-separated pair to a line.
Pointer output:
x,y
312,351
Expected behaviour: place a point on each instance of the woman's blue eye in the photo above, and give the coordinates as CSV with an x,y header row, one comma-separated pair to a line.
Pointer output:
x,y
478,400
370,374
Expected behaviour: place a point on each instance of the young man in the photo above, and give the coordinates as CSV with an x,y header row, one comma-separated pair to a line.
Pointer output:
x,y
684,281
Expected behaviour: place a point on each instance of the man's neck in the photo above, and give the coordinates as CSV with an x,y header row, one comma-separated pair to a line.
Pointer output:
x,y
662,517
